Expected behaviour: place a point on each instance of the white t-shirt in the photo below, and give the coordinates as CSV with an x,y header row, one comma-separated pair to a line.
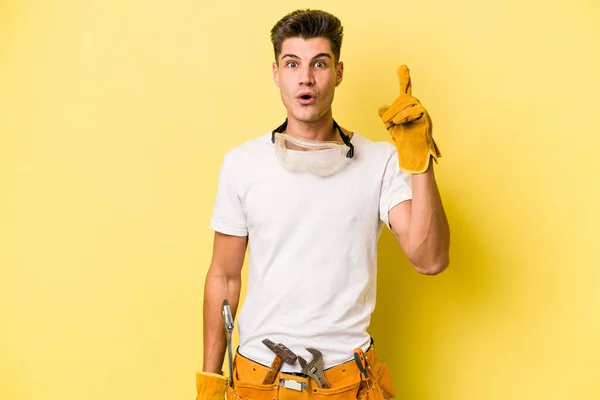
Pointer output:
x,y
312,246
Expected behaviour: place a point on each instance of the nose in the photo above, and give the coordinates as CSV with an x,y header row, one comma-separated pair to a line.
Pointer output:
x,y
306,76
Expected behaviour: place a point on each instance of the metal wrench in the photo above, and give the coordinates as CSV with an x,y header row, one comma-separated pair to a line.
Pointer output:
x,y
314,368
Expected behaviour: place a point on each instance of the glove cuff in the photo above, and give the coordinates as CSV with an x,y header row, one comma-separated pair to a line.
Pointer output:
x,y
212,374
210,386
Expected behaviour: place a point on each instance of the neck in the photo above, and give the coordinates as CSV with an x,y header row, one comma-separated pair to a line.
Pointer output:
x,y
320,130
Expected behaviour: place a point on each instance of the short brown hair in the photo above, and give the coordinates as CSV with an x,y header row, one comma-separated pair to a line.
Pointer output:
x,y
308,24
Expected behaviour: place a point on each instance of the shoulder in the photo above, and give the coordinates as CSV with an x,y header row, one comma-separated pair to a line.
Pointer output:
x,y
379,150
249,150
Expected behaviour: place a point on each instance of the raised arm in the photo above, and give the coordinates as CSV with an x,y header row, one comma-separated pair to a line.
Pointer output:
x,y
421,227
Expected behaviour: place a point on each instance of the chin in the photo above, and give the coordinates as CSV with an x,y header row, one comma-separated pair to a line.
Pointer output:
x,y
305,119
308,117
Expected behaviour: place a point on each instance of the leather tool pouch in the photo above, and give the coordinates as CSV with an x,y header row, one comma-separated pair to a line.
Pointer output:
x,y
247,381
381,387
344,380
380,379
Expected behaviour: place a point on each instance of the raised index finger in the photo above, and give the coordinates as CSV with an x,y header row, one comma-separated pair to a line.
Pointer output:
x,y
404,80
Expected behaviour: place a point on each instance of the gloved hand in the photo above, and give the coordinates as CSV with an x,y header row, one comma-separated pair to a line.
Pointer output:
x,y
410,126
210,386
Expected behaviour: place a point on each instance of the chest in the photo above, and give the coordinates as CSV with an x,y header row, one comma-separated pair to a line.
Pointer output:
x,y
285,201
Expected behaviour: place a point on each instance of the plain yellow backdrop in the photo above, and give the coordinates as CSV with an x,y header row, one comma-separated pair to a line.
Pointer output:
x,y
115,116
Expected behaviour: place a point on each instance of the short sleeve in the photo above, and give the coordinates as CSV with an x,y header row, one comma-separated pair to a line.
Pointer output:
x,y
396,187
228,215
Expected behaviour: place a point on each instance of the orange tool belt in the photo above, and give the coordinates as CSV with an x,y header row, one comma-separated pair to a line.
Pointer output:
x,y
345,382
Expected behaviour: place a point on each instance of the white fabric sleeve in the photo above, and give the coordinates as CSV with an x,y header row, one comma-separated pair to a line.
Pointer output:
x,y
228,215
396,187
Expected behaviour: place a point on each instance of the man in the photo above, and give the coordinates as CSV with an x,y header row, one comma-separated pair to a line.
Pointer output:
x,y
309,199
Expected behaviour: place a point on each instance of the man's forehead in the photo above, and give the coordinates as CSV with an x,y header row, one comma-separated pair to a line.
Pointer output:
x,y
303,48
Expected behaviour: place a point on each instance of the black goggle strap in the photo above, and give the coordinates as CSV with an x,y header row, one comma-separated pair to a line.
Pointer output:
x,y
345,138
279,129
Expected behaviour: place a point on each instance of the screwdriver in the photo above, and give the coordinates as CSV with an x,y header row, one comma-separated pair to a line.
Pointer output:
x,y
359,359
228,322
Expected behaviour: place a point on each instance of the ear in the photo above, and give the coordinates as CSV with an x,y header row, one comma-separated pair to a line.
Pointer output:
x,y
339,73
275,74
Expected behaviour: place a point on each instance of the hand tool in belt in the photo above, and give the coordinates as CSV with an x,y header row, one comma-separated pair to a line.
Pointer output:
x,y
282,354
359,359
314,368
228,321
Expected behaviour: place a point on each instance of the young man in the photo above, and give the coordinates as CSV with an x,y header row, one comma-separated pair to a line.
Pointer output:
x,y
309,199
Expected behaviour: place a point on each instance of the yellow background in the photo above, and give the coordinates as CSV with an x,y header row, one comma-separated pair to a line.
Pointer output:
x,y
114,118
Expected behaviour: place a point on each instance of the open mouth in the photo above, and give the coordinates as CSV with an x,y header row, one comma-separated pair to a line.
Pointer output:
x,y
306,99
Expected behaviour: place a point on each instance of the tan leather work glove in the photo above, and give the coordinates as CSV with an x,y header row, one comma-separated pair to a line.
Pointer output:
x,y
210,386
409,124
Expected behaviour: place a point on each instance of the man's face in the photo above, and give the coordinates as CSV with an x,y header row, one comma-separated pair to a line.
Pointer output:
x,y
307,76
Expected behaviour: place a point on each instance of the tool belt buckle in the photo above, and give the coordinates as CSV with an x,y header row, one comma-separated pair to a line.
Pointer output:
x,y
292,384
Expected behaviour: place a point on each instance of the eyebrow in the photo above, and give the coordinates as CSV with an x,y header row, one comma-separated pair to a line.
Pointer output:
x,y
317,56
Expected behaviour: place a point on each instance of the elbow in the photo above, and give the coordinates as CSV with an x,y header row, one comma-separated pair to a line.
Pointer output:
x,y
432,267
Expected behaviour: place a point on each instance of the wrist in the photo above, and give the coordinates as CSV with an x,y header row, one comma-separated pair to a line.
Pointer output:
x,y
209,369
429,170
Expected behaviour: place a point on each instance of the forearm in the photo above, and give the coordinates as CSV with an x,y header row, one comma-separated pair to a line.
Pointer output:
x,y
429,234
218,287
